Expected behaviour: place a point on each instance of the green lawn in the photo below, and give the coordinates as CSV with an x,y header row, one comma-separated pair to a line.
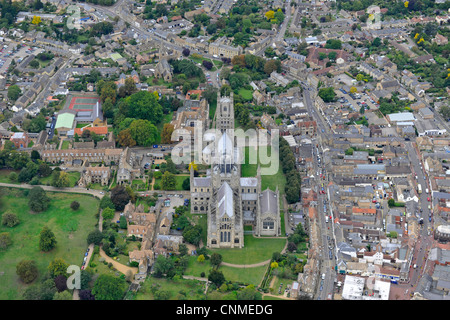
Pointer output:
x,y
4,173
245,275
74,176
246,94
65,144
179,289
166,119
267,181
70,227
178,182
255,250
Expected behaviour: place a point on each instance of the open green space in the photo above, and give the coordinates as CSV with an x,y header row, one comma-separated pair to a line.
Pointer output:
x,y
71,229
252,275
4,173
180,289
246,94
74,177
249,169
65,145
255,250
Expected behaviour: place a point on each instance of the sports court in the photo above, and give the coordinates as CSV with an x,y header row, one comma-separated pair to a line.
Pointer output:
x,y
78,103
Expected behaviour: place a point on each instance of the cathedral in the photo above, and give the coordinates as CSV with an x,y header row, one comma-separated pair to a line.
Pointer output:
x,y
229,200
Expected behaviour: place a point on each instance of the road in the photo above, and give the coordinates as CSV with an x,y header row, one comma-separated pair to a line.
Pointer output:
x,y
424,242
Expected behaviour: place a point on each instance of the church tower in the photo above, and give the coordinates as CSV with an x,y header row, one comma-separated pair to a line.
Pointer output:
x,y
225,113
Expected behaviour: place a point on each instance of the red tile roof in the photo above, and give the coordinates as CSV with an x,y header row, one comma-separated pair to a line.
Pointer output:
x,y
98,130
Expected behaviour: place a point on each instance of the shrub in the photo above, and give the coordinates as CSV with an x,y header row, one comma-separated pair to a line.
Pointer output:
x,y
75,205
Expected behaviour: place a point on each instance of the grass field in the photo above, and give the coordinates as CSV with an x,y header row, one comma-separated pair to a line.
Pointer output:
x,y
255,250
4,173
245,275
65,144
267,181
70,228
74,176
178,289
246,94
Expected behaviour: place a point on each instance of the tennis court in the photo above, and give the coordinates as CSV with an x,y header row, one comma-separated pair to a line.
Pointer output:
x,y
83,103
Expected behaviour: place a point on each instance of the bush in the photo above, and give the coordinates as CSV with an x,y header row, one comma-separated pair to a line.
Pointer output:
x,y
75,205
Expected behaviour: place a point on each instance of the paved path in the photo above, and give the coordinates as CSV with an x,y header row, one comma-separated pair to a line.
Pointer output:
x,y
119,266
259,264
93,192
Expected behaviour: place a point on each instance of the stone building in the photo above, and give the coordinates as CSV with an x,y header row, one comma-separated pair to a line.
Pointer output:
x,y
99,175
229,200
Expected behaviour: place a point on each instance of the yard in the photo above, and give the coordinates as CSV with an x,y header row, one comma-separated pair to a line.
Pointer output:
x,y
255,250
245,275
177,289
65,144
246,94
267,181
70,228
74,176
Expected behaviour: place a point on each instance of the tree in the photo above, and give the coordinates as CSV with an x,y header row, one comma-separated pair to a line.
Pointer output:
x,y
207,64
14,92
63,295
216,259
95,237
9,219
36,20
47,239
269,14
186,52
125,139
130,86
168,181
291,246
119,197
201,258
333,44
58,267
192,234
349,151
143,132
44,170
445,112
108,287
272,65
106,202
60,179
144,105
86,295
249,293
38,200
353,90
163,265
391,202
27,270
12,176
166,135
186,184
34,64
108,213
327,94
5,240
75,205
216,277
123,222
